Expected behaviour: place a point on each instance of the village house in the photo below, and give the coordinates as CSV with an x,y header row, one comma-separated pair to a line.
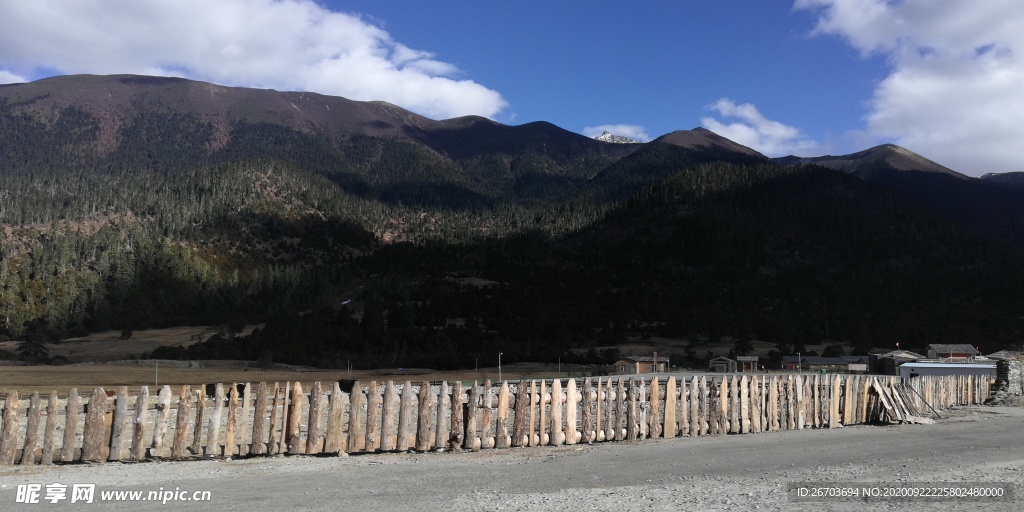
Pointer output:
x,y
951,351
642,364
722,364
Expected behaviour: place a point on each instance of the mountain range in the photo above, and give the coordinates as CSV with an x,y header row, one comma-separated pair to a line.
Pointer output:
x,y
362,230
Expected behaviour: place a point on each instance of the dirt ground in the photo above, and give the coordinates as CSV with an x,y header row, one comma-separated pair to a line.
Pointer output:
x,y
135,374
980,445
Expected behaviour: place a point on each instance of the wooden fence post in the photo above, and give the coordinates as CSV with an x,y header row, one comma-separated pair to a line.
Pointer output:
x,y
119,426
502,438
259,440
138,450
336,441
50,435
163,418
523,400
296,444
542,425
314,433
407,418
212,448
374,402
95,434
572,398
389,418
472,438
67,448
445,410
231,429
244,430
181,426
35,408
427,412
755,404
358,411
9,440
456,433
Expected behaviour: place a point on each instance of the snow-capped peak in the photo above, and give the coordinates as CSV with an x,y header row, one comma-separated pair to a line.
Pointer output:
x,y
617,139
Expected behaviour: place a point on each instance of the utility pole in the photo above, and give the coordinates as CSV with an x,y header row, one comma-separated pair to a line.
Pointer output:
x,y
499,366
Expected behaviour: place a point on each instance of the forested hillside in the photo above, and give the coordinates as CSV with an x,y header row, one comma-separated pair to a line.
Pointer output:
x,y
358,231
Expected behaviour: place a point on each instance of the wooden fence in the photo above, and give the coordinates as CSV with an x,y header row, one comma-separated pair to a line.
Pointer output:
x,y
374,417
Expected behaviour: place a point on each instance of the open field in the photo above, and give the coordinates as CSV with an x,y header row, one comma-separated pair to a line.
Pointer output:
x,y
134,374
108,345
980,445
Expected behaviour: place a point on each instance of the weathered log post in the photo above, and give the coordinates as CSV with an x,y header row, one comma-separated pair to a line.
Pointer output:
x,y
358,411
572,398
695,410
9,439
119,427
160,423
427,412
456,433
272,437
805,398
557,435
197,428
655,420
259,440
632,421
374,402
314,433
213,439
523,400
445,410
181,424
744,405
848,401
833,413
589,433
35,411
243,429
296,444
620,411
472,438
407,418
336,441
487,416
755,404
231,429
67,448
735,422
535,400
95,433
542,426
643,407
138,450
389,418
50,435
502,436
714,408
610,412
683,409
790,403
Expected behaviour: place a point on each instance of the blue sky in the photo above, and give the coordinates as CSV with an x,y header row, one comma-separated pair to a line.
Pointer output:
x,y
944,78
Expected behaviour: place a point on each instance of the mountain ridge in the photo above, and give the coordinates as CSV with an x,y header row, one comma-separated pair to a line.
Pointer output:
x,y
350,227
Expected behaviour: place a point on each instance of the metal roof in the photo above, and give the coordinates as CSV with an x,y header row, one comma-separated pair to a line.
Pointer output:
x,y
955,348
948,365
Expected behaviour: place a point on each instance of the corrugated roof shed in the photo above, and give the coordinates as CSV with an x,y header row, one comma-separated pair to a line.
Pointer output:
x,y
954,348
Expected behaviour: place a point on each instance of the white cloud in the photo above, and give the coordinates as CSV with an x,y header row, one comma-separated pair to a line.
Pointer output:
x,y
954,89
6,77
753,130
637,133
280,44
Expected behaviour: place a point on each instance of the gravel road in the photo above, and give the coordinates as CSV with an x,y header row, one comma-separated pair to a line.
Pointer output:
x,y
982,445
